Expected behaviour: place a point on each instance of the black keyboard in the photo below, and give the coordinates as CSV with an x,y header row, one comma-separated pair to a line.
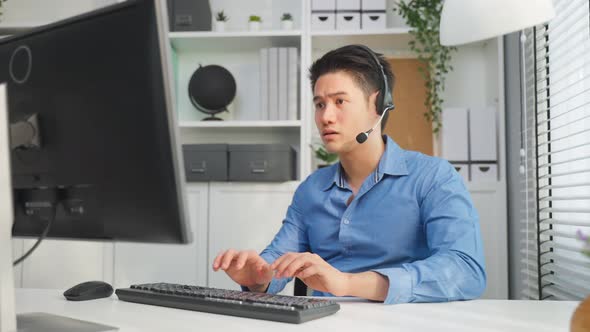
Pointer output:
x,y
280,308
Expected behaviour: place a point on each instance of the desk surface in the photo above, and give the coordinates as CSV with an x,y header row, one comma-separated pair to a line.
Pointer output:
x,y
354,315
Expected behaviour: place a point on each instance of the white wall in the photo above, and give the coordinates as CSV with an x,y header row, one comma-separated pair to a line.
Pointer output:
x,y
34,12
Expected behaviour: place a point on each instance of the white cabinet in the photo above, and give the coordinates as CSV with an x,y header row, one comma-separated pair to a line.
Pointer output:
x,y
491,207
174,263
245,216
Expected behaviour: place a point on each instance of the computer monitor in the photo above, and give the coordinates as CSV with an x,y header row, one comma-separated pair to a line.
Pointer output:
x,y
93,128
101,93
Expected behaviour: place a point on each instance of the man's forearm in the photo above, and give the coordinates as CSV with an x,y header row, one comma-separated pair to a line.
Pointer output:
x,y
368,285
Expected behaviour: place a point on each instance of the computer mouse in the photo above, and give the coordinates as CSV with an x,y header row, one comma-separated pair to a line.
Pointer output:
x,y
89,290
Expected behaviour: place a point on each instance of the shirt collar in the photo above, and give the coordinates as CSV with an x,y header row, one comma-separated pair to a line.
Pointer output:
x,y
392,162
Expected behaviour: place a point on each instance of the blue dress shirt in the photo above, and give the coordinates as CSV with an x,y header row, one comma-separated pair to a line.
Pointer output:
x,y
411,221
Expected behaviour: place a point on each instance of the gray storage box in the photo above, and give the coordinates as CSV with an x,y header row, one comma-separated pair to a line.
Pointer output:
x,y
205,162
261,162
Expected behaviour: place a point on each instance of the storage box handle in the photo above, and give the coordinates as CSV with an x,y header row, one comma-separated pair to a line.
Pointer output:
x,y
201,170
484,168
374,18
323,18
348,18
258,166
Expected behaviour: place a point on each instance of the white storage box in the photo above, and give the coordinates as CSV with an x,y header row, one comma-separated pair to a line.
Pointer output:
x,y
373,21
328,5
348,21
454,134
323,21
374,5
484,172
348,5
483,137
463,170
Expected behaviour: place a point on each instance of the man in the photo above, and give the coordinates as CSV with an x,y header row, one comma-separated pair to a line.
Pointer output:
x,y
383,224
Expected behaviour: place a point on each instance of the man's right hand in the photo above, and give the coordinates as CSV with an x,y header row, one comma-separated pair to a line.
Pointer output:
x,y
246,268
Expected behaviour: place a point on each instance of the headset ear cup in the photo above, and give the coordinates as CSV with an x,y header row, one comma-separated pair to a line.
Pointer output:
x,y
384,121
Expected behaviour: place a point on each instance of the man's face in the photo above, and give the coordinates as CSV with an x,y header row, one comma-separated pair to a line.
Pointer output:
x,y
342,111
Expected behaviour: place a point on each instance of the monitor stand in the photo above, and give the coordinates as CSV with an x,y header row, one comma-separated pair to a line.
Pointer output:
x,y
9,321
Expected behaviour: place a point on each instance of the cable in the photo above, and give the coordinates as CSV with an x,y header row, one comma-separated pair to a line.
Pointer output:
x,y
41,237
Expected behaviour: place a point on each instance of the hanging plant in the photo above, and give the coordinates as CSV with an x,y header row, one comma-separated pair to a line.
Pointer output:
x,y
423,17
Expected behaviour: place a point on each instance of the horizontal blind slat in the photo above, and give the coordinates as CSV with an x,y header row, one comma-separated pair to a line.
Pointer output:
x,y
563,162
560,294
554,221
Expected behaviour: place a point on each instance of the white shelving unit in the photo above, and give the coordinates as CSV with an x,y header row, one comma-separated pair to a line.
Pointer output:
x,y
237,50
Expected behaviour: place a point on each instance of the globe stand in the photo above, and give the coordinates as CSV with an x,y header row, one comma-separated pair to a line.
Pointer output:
x,y
211,113
212,117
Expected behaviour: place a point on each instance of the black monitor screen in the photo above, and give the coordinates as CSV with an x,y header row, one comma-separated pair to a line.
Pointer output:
x,y
108,146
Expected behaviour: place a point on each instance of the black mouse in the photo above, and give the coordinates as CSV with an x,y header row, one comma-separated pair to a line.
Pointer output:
x,y
89,290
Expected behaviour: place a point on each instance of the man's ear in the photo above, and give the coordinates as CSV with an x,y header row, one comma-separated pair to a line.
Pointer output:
x,y
372,98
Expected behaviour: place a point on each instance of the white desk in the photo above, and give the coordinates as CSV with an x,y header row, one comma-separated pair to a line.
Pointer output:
x,y
354,315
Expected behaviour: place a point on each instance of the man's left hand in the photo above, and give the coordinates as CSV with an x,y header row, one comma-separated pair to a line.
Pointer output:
x,y
315,272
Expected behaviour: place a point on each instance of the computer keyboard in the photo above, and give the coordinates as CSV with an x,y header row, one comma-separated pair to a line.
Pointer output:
x,y
280,308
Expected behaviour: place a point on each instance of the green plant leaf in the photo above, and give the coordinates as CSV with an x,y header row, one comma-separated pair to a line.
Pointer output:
x,y
423,16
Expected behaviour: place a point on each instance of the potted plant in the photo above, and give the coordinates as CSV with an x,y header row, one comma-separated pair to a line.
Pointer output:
x,y
326,158
287,21
254,22
423,17
220,20
580,321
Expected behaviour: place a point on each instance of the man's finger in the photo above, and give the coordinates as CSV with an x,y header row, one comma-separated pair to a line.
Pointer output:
x,y
284,263
308,272
278,261
241,259
227,259
217,260
297,264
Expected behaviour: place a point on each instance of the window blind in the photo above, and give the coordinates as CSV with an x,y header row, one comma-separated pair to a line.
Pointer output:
x,y
555,177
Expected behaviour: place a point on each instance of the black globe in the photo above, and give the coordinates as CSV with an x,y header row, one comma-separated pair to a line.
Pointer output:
x,y
211,89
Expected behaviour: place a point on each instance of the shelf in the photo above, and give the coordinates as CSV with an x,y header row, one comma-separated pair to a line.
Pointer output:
x,y
392,41
233,40
389,31
230,34
239,124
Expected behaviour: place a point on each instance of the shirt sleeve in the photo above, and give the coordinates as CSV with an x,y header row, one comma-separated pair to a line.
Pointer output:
x,y
291,237
455,269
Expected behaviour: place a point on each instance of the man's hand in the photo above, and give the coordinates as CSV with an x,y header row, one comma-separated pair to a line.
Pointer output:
x,y
246,268
315,272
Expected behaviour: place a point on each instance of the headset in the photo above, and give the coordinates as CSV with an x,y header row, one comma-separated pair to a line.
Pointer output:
x,y
385,103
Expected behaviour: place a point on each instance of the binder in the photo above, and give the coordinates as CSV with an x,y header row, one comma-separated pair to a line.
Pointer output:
x,y
263,58
283,83
273,83
293,84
